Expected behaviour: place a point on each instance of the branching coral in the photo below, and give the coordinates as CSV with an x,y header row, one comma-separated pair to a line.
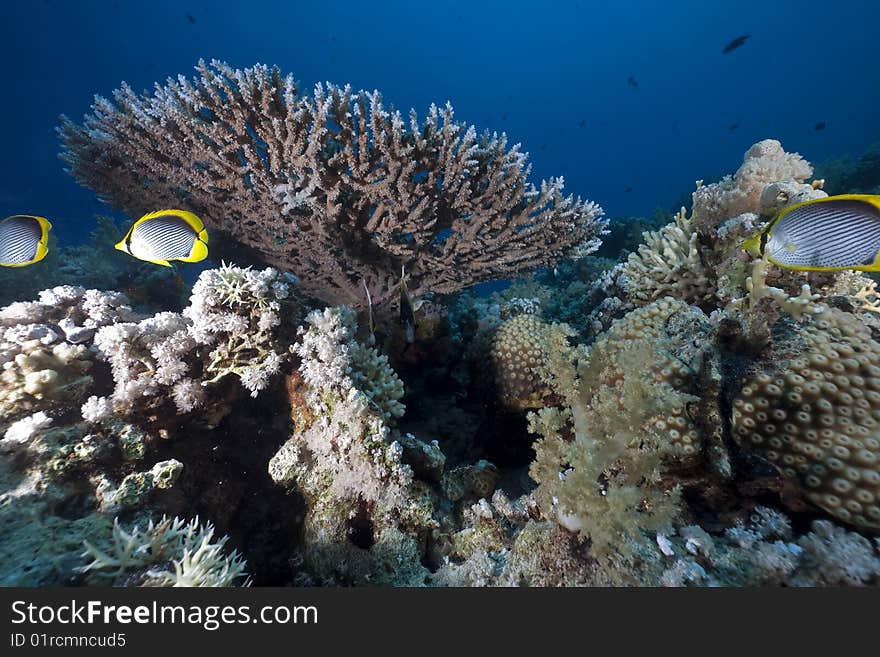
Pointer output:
x,y
334,187
669,264
239,312
144,557
44,347
239,321
336,366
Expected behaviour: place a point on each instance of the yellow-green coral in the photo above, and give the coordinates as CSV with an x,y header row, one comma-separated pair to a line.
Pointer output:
x,y
599,462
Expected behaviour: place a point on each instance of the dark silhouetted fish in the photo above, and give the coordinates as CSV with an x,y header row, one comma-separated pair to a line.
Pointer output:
x,y
631,81
736,43
628,189
582,123
191,18
733,126
504,117
819,126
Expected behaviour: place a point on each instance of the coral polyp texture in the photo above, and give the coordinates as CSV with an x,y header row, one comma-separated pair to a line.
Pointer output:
x,y
335,187
520,352
816,416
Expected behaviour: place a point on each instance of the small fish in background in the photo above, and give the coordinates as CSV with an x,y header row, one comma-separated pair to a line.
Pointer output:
x,y
733,126
407,314
738,42
627,190
543,147
582,123
504,117
166,235
191,19
819,126
824,234
23,240
631,81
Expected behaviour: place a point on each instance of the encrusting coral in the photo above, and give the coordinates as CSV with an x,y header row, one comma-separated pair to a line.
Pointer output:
x,y
333,187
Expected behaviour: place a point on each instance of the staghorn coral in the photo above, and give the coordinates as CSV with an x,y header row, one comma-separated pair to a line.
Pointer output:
x,y
145,557
334,187
520,350
813,411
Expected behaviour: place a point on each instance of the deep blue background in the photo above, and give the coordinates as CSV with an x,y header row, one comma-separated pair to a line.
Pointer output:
x,y
533,69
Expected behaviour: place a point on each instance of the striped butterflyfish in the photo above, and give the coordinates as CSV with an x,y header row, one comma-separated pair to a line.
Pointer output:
x,y
824,234
166,235
23,240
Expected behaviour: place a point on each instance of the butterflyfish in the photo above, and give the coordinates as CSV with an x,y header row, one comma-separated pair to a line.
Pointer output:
x,y
23,240
825,234
166,235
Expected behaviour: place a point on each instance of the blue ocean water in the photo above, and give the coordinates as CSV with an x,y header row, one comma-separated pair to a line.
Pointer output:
x,y
560,77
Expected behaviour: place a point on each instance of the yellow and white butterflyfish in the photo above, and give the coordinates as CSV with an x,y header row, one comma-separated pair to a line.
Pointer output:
x,y
23,240
825,234
166,235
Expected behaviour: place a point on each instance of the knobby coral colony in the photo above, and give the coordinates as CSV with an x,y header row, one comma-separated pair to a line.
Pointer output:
x,y
718,424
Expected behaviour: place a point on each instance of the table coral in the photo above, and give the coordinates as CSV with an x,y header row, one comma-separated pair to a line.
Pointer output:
x,y
334,186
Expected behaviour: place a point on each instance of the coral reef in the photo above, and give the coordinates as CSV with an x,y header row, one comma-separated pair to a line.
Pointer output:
x,y
687,416
365,504
333,186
